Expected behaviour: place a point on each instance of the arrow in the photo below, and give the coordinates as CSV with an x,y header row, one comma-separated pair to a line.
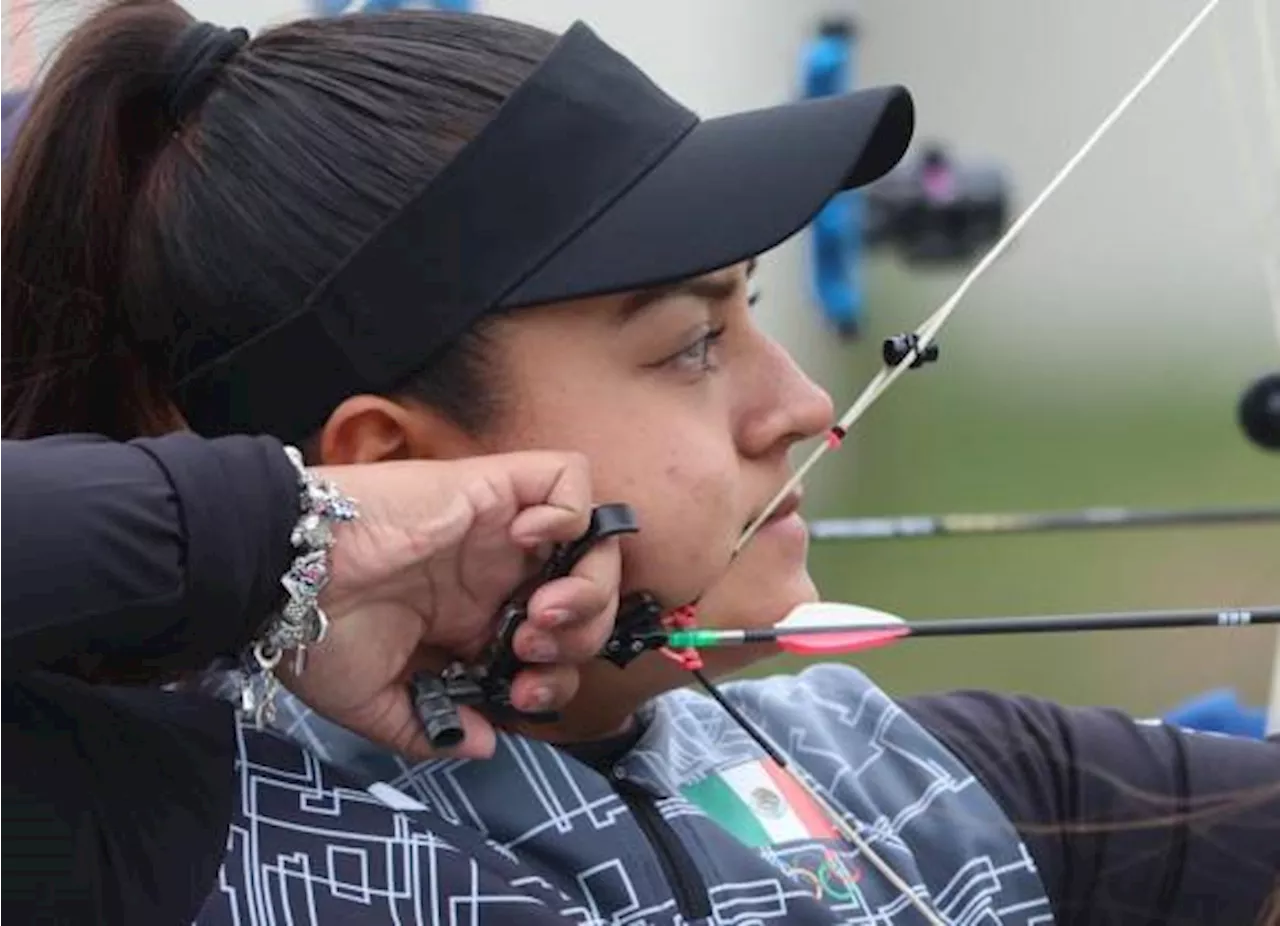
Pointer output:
x,y
827,628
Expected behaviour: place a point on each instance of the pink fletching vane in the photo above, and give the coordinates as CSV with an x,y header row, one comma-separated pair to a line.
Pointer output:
x,y
843,619
819,644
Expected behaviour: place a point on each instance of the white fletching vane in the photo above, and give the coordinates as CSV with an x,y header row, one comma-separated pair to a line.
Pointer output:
x,y
835,614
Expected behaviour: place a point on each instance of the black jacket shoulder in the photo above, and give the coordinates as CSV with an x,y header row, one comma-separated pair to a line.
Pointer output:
x,y
1130,822
136,562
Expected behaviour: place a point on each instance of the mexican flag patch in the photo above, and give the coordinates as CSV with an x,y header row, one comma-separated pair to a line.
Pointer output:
x,y
761,804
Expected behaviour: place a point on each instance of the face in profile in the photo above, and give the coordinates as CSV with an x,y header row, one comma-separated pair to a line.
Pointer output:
x,y
686,410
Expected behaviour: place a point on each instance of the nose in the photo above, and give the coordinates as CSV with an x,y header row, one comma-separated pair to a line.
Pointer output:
x,y
783,406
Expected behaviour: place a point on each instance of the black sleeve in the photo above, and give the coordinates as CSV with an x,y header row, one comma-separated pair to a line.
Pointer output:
x,y
160,553
116,801
151,556
1130,823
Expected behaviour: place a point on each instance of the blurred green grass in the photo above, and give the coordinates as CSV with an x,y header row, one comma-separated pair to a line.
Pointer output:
x,y
968,435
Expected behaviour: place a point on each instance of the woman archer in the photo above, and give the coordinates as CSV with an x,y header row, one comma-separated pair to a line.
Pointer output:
x,y
423,235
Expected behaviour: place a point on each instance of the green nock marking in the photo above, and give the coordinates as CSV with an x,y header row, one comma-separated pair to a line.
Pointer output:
x,y
693,639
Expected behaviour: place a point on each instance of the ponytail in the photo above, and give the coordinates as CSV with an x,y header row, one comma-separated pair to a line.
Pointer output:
x,y
96,123
172,194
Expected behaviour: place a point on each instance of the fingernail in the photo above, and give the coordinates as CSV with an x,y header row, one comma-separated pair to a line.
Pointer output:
x,y
539,699
542,650
556,616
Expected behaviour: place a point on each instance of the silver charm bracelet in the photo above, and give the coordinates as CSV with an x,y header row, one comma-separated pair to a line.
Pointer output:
x,y
301,622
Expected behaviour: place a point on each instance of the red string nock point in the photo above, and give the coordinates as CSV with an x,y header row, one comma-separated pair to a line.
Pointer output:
x,y
682,618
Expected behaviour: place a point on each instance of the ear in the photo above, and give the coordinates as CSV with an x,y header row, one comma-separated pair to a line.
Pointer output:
x,y
369,428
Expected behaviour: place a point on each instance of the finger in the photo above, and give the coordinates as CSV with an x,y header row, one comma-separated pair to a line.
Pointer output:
x,y
546,480
587,595
541,524
578,638
544,688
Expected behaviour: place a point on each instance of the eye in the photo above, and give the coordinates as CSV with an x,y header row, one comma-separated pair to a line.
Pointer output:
x,y
753,291
698,356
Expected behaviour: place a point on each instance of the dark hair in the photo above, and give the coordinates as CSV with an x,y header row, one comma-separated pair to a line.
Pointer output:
x,y
117,222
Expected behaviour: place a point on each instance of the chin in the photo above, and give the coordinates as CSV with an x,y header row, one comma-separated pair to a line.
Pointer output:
x,y
768,578
761,589
791,592
769,595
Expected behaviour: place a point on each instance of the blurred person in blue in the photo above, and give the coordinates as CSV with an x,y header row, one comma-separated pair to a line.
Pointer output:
x,y
14,110
424,235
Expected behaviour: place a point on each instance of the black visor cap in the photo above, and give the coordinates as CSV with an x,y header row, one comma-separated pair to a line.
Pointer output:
x,y
589,180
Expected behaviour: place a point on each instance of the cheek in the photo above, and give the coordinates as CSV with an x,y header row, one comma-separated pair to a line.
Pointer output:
x,y
689,520
680,475
666,450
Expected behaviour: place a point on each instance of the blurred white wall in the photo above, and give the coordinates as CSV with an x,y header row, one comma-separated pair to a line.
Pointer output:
x,y
1154,237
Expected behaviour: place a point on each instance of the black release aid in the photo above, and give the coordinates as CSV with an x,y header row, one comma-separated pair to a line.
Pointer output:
x,y
437,698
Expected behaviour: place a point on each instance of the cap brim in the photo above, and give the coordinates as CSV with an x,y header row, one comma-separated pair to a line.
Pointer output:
x,y
731,188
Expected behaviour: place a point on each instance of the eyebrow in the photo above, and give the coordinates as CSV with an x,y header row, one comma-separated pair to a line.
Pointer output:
x,y
698,287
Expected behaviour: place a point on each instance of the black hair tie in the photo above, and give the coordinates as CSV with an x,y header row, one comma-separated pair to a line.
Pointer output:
x,y
192,63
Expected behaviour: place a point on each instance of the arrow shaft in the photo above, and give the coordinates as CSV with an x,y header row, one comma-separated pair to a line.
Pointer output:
x,y
1119,620
946,525
989,626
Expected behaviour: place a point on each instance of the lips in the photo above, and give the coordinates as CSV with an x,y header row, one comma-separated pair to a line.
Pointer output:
x,y
789,505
